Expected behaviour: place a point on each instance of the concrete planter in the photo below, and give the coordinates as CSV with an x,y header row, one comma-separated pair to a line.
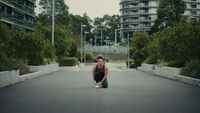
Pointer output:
x,y
170,73
167,71
150,68
9,77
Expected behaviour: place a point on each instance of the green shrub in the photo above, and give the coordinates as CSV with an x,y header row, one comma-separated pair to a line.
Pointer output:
x,y
23,69
151,60
132,65
8,64
88,56
192,69
130,62
175,63
140,49
67,61
107,60
153,51
94,59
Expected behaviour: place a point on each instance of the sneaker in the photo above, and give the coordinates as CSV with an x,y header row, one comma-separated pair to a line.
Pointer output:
x,y
96,86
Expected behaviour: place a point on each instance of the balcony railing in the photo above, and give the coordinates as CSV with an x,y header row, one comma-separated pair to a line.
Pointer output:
x,y
135,1
18,22
137,29
22,7
137,20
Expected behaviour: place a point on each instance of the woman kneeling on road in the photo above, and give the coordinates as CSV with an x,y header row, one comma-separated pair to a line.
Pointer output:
x,y
100,73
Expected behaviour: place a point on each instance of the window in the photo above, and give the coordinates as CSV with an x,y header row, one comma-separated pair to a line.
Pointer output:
x,y
193,6
194,12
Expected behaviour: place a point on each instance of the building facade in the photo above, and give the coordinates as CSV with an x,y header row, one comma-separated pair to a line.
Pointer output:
x,y
139,15
18,13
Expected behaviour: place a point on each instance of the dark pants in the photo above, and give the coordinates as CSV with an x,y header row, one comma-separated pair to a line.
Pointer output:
x,y
98,78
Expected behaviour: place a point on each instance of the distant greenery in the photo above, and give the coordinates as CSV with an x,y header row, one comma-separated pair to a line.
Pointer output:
x,y
88,56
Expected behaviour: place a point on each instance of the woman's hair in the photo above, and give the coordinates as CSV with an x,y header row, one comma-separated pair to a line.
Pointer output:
x,y
100,56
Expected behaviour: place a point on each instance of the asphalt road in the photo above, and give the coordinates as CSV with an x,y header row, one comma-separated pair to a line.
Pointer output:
x,y
129,91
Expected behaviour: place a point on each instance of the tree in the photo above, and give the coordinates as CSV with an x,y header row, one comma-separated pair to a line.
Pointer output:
x,y
60,7
75,23
108,24
169,14
5,34
139,47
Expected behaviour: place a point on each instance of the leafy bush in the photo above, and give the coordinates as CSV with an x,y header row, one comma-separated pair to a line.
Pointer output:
x,y
23,69
94,59
107,60
153,51
66,61
150,60
88,56
192,69
179,44
73,49
174,64
130,62
8,64
132,65
140,49
176,45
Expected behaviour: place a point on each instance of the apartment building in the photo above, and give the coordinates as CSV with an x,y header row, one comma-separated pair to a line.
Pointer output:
x,y
18,13
139,15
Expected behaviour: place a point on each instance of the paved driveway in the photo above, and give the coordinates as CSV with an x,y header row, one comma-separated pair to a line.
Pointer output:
x,y
71,91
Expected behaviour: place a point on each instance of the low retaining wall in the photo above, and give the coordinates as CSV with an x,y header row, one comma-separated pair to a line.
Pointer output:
x,y
169,72
44,68
8,78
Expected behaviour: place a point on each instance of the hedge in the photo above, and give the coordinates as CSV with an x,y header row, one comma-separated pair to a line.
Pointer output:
x,y
68,61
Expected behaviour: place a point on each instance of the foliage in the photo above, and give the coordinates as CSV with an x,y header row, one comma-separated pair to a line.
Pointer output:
x,y
108,24
169,14
181,43
88,56
153,49
132,65
130,62
176,45
68,61
8,64
73,49
63,41
192,68
5,34
139,49
23,69
60,7
75,25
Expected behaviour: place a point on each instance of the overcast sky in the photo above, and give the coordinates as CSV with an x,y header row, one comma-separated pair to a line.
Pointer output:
x,y
93,8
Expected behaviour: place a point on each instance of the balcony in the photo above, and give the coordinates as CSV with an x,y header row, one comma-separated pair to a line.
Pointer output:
x,y
27,9
11,19
190,1
137,29
137,21
129,1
